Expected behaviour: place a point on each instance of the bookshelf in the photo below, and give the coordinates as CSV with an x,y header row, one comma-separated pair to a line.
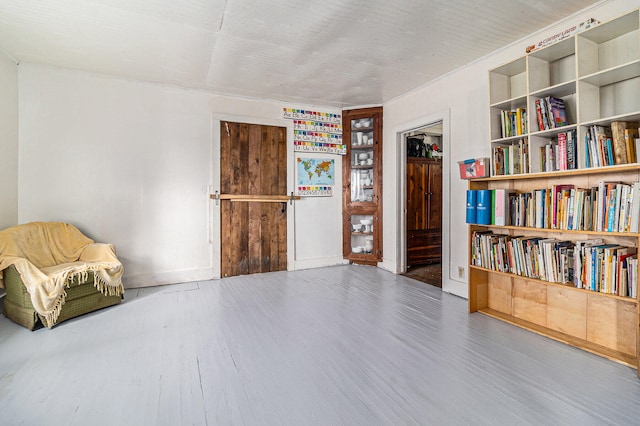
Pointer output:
x,y
596,74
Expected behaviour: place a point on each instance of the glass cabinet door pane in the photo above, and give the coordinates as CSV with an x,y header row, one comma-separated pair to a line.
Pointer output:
x,y
362,159
362,234
362,132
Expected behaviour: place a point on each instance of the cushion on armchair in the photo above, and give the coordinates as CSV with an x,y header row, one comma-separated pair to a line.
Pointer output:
x,y
51,258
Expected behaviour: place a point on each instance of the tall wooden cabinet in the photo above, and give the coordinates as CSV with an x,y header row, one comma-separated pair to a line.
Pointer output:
x,y
362,185
424,211
596,72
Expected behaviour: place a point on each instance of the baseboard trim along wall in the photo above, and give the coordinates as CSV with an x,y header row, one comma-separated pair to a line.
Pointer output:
x,y
317,263
163,278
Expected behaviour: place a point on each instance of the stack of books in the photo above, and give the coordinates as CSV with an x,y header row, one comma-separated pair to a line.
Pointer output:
x,y
511,159
590,264
608,146
514,122
560,153
607,207
551,113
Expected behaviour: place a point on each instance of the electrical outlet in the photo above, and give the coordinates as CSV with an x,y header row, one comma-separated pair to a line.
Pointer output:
x,y
461,271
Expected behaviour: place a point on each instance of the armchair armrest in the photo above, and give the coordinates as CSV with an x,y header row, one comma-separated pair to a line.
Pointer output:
x,y
99,252
110,269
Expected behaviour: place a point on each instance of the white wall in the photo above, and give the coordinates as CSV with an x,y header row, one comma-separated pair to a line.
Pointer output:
x,y
318,223
8,142
131,163
465,94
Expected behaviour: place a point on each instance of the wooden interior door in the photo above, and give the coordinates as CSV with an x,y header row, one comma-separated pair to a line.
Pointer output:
x,y
417,189
253,162
424,211
434,196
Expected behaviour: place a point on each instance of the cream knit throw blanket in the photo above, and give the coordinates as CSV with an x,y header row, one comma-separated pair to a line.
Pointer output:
x,y
49,255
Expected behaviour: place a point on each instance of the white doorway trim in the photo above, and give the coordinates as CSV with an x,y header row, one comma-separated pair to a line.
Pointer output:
x,y
400,131
214,210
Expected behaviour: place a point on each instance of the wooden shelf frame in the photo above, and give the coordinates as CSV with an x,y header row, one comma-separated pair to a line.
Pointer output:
x,y
370,207
597,73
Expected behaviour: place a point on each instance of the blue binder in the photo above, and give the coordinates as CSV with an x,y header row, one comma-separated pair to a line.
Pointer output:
x,y
483,207
471,205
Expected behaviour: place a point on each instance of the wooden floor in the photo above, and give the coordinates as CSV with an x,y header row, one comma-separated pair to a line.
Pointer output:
x,y
346,345
430,274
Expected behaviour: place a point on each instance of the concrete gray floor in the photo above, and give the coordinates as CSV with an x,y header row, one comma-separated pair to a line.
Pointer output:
x,y
346,345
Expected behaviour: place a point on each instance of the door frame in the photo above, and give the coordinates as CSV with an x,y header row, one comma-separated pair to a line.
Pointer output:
x,y
449,283
214,210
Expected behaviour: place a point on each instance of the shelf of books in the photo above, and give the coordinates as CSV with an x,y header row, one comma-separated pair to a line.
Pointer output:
x,y
556,253
554,232
570,105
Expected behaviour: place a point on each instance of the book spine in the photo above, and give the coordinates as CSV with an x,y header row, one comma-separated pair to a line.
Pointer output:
x,y
471,206
483,206
571,150
630,135
539,115
493,206
619,144
499,208
562,151
635,207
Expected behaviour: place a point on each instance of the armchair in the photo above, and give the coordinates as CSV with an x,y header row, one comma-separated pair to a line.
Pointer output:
x,y
52,272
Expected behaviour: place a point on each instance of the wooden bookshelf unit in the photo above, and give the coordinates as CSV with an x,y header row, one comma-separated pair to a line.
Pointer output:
x,y
596,72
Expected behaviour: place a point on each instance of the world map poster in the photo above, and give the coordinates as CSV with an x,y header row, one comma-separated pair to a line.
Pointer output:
x,y
315,176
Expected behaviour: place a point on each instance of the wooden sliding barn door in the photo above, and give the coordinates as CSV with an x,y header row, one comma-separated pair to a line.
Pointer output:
x,y
253,165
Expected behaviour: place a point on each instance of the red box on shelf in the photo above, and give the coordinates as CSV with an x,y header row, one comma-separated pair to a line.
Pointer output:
x,y
474,168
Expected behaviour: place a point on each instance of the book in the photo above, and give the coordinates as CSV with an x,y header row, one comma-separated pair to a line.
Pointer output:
x,y
619,142
556,197
634,214
540,203
558,112
618,207
471,206
610,160
630,135
539,115
572,149
599,146
493,206
483,207
623,225
500,206
613,200
580,261
610,272
587,151
562,151
632,265
599,201
519,121
543,110
621,267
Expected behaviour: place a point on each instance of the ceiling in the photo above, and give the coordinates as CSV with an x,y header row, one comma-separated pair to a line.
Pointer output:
x,y
338,53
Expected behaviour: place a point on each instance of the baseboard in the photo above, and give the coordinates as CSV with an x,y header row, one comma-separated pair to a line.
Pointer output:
x,y
318,263
388,266
162,278
455,287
